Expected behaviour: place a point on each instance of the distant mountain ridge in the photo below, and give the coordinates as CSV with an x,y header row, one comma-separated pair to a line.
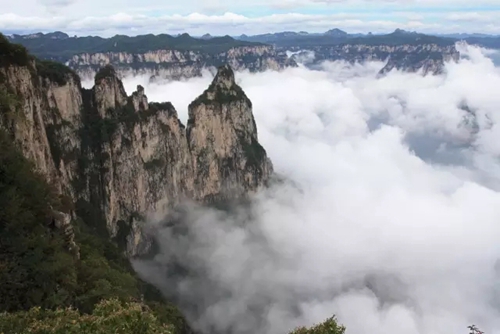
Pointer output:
x,y
159,56
60,46
337,36
174,57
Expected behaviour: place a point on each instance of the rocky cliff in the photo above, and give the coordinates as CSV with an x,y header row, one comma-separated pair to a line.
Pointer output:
x,y
119,157
222,137
176,64
171,64
428,58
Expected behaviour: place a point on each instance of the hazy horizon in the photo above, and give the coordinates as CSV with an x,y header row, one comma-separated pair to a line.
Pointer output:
x,y
268,32
251,17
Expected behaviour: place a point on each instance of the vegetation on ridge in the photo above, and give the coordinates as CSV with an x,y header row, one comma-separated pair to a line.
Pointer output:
x,y
109,316
17,55
37,269
329,326
56,72
62,49
341,38
216,93
107,71
12,54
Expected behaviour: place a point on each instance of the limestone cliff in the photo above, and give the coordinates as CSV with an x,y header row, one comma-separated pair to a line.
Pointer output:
x,y
427,58
43,115
176,64
222,137
118,157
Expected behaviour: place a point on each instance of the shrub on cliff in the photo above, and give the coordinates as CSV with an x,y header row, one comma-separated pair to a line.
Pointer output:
x,y
36,268
12,54
55,72
330,326
107,71
109,316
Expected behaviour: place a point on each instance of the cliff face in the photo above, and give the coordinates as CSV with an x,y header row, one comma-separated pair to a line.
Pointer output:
x,y
428,58
228,160
176,64
44,117
119,157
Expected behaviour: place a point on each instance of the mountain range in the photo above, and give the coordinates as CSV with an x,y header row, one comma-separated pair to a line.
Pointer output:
x,y
174,57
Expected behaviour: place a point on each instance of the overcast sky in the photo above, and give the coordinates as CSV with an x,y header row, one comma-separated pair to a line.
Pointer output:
x,y
132,17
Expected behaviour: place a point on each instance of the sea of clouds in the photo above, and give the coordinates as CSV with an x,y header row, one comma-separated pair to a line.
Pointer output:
x,y
392,221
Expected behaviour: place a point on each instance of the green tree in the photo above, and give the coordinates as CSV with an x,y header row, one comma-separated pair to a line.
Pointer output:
x,y
37,270
35,267
109,316
330,326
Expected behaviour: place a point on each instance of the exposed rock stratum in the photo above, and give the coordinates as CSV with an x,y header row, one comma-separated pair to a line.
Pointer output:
x,y
120,157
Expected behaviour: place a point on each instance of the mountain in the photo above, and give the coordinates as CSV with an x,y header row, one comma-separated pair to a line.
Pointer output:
x,y
336,33
59,46
168,57
176,64
56,250
400,50
162,55
465,35
336,36
273,37
81,169
107,150
206,36
492,42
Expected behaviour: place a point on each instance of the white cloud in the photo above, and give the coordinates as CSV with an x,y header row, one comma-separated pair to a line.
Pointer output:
x,y
217,17
292,4
394,225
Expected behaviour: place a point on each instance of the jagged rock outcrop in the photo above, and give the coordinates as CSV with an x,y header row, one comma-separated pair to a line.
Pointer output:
x,y
152,161
119,157
140,158
62,221
109,92
222,137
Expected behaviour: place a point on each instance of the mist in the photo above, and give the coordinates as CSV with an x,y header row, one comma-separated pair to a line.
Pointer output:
x,y
389,215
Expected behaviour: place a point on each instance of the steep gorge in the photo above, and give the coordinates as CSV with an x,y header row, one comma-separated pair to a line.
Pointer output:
x,y
119,157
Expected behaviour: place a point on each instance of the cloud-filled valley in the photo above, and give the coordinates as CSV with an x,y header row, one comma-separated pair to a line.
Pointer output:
x,y
388,217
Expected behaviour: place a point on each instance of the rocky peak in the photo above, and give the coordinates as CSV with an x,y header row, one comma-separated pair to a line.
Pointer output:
x,y
224,79
222,136
336,32
108,90
403,32
223,89
139,99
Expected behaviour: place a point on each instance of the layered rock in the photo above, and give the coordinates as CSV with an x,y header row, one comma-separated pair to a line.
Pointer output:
x,y
222,137
428,58
119,157
176,64
44,118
